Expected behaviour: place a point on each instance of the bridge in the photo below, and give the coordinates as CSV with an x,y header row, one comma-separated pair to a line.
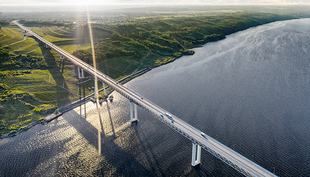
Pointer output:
x,y
199,139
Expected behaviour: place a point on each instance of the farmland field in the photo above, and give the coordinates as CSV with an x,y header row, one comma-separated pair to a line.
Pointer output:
x,y
28,94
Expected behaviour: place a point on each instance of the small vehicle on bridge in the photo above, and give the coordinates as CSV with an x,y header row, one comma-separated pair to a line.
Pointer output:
x,y
203,134
169,116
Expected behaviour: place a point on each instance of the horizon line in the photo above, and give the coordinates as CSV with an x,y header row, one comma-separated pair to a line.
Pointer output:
x,y
176,4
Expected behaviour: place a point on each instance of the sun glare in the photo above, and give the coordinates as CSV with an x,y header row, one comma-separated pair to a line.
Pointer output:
x,y
87,2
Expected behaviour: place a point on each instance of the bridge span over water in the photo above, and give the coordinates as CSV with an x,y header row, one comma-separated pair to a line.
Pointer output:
x,y
199,139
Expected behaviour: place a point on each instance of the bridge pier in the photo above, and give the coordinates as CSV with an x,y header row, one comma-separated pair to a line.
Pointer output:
x,y
196,154
96,88
61,57
103,85
62,63
133,106
80,73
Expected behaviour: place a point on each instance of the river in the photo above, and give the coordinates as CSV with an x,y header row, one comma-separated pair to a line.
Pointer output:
x,y
249,91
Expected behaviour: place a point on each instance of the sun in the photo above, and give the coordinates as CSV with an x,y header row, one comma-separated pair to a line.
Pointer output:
x,y
87,2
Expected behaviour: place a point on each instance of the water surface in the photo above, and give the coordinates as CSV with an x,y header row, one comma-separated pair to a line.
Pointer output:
x,y
249,91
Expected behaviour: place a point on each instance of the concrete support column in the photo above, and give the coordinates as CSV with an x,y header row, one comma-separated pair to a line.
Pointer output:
x,y
96,89
61,57
196,154
103,85
131,111
133,108
80,73
82,70
136,112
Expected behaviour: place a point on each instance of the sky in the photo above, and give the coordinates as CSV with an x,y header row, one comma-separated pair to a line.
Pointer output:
x,y
91,2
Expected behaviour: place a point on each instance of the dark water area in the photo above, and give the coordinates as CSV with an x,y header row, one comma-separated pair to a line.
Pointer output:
x,y
250,92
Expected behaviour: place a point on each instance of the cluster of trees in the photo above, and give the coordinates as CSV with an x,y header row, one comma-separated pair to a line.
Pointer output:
x,y
8,62
4,53
84,55
4,22
11,73
171,37
119,46
46,23
5,93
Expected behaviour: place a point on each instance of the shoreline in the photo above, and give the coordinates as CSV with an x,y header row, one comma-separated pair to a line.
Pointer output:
x,y
73,105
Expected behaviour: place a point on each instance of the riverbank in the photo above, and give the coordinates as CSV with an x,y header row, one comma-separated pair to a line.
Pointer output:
x,y
161,40
60,111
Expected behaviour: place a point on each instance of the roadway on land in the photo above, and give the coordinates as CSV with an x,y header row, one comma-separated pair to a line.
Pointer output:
x,y
236,160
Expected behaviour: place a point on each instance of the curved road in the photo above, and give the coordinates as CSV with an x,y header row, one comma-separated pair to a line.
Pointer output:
x,y
3,35
219,150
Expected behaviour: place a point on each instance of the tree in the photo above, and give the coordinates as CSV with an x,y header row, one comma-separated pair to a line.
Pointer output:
x,y
3,53
0,27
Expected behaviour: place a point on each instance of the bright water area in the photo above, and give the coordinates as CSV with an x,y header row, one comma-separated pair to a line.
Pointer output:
x,y
250,91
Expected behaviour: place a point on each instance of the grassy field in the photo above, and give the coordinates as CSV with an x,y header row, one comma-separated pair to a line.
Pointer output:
x,y
37,30
32,95
1,33
29,48
23,44
13,41
16,36
8,33
28,94
75,47
53,31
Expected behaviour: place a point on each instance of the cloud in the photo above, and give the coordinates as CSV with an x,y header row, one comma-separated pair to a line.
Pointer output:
x,y
153,1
